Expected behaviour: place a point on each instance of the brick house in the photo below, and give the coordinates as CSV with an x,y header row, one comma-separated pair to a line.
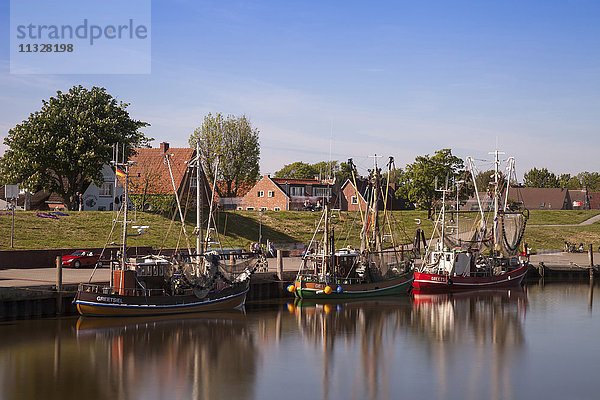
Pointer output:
x,y
150,176
350,198
594,199
286,194
579,199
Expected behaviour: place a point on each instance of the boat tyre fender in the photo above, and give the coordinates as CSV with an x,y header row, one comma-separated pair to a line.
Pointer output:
x,y
450,281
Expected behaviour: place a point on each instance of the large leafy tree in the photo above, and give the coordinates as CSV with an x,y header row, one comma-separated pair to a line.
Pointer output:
x,y
540,178
236,143
297,170
589,180
566,181
302,170
62,147
420,177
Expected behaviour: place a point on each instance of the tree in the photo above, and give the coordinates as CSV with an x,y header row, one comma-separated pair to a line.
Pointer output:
x,y
589,180
485,180
566,181
297,170
344,173
540,178
236,143
420,177
302,170
62,147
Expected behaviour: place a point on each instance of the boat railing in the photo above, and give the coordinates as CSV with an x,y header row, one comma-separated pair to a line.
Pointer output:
x,y
330,280
102,289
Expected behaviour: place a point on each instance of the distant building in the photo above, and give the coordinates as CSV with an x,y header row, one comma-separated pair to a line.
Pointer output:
x,y
150,175
526,197
105,197
278,194
351,196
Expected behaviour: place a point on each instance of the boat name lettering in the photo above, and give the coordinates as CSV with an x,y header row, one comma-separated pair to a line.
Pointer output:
x,y
109,299
438,278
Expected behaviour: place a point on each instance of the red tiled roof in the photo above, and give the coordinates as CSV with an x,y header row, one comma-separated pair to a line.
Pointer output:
x,y
244,188
151,168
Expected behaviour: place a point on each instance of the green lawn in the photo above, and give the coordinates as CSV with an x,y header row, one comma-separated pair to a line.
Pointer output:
x,y
560,217
240,228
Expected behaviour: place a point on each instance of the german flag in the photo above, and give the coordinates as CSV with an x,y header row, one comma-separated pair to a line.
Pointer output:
x,y
120,174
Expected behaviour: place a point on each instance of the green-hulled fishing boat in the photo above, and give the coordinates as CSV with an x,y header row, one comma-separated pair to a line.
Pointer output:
x,y
347,273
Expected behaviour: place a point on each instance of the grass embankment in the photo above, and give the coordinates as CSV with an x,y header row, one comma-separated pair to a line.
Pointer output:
x,y
240,228
236,229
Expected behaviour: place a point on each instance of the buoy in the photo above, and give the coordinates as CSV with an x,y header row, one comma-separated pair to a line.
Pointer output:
x,y
291,288
340,290
327,289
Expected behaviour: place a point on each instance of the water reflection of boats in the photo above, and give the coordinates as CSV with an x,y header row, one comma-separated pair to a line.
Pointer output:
x,y
193,356
368,326
480,330
90,324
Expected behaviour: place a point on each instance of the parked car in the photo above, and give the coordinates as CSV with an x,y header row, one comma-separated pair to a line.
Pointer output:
x,y
80,258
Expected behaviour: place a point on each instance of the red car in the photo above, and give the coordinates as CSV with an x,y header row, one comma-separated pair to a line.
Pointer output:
x,y
80,258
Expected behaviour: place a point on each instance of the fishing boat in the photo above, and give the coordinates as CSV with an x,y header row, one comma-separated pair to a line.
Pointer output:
x,y
487,257
159,285
347,273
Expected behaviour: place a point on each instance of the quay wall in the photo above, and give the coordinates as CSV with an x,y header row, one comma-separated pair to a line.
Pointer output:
x,y
44,301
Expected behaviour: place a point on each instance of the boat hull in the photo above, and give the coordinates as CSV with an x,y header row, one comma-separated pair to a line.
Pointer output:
x,y
316,290
114,305
426,282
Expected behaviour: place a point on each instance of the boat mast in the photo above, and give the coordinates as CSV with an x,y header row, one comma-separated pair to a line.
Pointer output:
x,y
325,251
124,241
495,194
198,202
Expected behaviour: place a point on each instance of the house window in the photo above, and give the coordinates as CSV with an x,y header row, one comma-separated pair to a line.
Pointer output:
x,y
354,200
263,209
277,209
250,208
261,193
193,182
542,204
270,193
106,189
240,208
297,191
322,192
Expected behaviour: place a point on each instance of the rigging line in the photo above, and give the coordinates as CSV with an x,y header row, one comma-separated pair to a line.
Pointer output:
x,y
351,228
106,243
178,204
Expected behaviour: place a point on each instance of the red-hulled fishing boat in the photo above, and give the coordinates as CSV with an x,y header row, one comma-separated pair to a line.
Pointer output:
x,y
487,259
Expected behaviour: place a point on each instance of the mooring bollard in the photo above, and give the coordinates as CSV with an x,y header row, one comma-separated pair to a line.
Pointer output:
x,y
591,256
58,284
279,265
541,269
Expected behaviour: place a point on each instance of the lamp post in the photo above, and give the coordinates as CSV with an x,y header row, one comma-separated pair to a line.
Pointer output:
x,y
260,213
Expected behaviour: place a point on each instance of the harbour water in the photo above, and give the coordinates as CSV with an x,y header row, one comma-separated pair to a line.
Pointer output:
x,y
542,341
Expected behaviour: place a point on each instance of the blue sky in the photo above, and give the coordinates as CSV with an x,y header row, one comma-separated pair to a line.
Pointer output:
x,y
400,78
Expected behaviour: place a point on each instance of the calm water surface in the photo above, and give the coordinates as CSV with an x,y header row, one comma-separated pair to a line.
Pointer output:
x,y
540,342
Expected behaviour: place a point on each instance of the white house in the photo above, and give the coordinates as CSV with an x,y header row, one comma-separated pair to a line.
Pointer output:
x,y
102,198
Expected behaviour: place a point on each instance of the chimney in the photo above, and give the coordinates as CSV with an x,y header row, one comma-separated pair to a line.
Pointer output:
x,y
164,146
